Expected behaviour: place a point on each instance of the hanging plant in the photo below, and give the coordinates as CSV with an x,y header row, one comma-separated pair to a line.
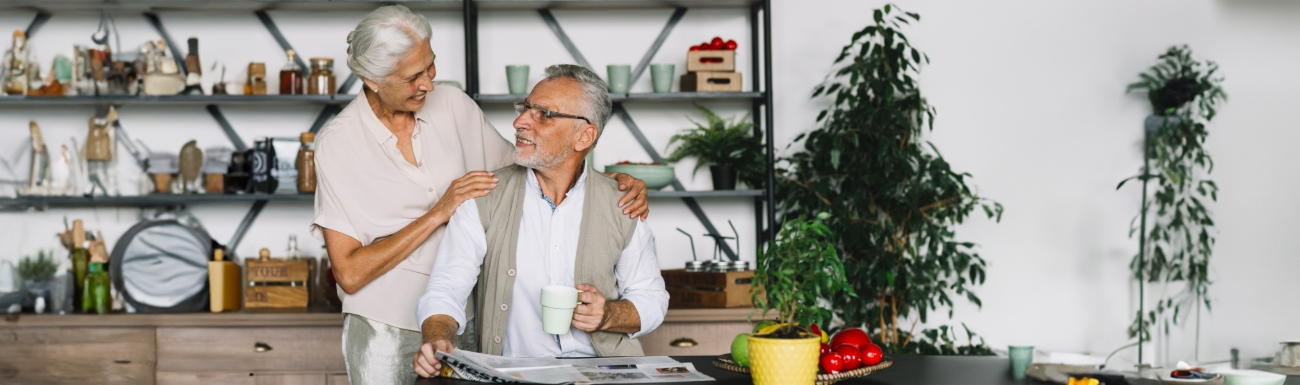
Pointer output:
x,y
897,200
1177,246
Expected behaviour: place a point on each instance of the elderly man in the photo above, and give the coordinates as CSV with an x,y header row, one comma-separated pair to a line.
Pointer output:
x,y
547,223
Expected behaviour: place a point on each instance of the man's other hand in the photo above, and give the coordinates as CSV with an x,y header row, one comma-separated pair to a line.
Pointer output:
x,y
426,363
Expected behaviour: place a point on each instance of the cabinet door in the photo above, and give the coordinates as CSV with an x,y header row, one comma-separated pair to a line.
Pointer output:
x,y
692,339
40,355
251,350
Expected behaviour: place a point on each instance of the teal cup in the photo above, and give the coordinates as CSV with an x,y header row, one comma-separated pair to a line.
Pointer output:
x,y
517,77
619,76
1021,357
558,303
661,76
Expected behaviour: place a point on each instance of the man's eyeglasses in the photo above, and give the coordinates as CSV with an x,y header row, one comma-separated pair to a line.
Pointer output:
x,y
541,114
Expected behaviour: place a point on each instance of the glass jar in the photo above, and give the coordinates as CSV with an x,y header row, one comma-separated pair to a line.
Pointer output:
x,y
307,164
256,83
321,80
291,76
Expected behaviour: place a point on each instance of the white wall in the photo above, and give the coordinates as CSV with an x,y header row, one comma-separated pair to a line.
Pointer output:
x,y
1030,98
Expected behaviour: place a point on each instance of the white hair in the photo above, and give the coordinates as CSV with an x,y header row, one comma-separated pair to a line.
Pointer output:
x,y
595,92
383,38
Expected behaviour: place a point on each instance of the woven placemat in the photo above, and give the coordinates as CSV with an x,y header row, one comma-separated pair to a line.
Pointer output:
x,y
725,362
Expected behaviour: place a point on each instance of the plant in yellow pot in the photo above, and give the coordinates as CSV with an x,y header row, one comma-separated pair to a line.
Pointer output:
x,y
799,268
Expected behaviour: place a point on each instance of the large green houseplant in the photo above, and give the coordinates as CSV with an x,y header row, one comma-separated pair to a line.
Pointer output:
x,y
1176,249
897,200
728,146
798,270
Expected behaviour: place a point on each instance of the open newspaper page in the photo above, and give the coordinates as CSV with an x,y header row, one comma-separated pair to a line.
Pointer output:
x,y
617,370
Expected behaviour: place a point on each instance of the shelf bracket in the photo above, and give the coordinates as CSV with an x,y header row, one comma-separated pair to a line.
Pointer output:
x,y
564,38
225,126
41,18
244,225
279,38
471,47
659,42
167,38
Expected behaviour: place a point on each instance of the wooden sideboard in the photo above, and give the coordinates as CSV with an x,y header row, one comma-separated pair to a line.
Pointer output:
x,y
248,348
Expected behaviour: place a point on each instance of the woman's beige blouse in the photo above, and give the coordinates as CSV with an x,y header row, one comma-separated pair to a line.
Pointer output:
x,y
367,191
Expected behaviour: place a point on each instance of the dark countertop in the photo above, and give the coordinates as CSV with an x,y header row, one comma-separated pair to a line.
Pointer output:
x,y
907,370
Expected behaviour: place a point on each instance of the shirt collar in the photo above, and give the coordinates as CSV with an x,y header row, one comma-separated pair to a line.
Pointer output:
x,y
377,129
580,185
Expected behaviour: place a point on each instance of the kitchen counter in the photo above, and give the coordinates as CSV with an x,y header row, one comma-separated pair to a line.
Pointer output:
x,y
232,319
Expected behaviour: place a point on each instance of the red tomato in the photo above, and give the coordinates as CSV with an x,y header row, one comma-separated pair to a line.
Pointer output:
x,y
716,45
832,363
730,45
851,356
695,48
855,336
826,349
717,40
872,355
705,46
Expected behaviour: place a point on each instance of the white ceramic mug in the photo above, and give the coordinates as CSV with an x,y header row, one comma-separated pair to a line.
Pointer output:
x,y
558,303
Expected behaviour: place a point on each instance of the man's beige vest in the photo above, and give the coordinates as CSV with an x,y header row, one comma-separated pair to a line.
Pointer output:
x,y
605,232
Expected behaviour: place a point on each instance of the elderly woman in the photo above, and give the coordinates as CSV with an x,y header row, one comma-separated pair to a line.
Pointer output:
x,y
392,167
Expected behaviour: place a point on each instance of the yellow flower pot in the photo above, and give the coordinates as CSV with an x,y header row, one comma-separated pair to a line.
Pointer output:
x,y
784,361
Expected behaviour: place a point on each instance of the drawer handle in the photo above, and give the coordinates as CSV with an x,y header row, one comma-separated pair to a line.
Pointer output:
x,y
261,347
683,343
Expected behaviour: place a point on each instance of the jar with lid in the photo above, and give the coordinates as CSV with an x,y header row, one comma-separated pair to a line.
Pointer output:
x,y
256,83
307,164
291,76
321,80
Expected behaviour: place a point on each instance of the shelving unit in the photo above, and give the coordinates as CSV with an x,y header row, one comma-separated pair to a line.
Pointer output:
x,y
760,98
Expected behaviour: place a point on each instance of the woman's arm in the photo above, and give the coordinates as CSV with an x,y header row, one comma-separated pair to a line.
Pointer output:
x,y
355,266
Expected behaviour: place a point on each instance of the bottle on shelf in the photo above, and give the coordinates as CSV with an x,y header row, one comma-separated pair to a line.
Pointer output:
x,y
95,296
321,80
291,76
80,263
223,283
194,70
256,84
307,164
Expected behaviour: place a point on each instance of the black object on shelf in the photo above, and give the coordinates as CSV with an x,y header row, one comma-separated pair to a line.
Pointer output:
x,y
724,177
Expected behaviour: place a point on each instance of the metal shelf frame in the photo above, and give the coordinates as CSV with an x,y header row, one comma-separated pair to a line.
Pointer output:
x,y
760,97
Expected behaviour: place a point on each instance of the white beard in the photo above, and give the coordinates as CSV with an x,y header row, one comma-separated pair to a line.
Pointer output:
x,y
540,160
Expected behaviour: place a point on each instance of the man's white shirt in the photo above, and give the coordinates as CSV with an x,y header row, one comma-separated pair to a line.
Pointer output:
x,y
546,254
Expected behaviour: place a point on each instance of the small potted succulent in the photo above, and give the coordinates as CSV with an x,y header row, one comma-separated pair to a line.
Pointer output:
x,y
37,274
728,147
798,269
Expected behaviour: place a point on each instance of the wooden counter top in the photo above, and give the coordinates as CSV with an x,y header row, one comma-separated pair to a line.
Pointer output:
x,y
244,319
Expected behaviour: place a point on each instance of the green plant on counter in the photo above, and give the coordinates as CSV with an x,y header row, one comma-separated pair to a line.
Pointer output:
x,y
1178,245
725,142
897,200
798,269
39,269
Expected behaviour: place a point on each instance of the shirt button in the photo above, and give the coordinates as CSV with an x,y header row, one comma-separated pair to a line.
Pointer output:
x,y
505,307
510,272
430,190
496,339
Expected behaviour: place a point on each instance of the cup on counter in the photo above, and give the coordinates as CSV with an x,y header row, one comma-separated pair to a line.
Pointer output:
x,y
1021,357
661,76
517,78
558,303
619,76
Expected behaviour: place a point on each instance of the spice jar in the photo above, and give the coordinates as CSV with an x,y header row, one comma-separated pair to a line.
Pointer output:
x,y
291,76
256,84
307,164
321,80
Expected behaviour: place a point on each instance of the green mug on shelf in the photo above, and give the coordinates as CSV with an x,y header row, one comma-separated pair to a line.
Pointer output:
x,y
661,76
1021,357
517,78
619,76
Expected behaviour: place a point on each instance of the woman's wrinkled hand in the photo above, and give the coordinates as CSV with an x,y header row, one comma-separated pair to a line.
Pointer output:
x,y
473,185
634,203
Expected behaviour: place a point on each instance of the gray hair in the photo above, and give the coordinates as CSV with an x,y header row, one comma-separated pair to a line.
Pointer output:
x,y
382,38
595,92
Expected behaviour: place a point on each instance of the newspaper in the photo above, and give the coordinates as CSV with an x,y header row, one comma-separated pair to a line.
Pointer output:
x,y
621,370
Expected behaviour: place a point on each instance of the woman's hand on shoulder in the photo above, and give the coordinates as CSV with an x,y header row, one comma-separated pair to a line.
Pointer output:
x,y
472,185
634,203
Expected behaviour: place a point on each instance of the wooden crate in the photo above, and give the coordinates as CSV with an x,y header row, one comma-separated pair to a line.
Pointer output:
x,y
711,82
708,290
696,61
276,283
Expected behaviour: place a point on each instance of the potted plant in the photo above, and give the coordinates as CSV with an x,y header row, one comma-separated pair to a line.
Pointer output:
x,y
898,202
37,274
799,269
729,147
1176,248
